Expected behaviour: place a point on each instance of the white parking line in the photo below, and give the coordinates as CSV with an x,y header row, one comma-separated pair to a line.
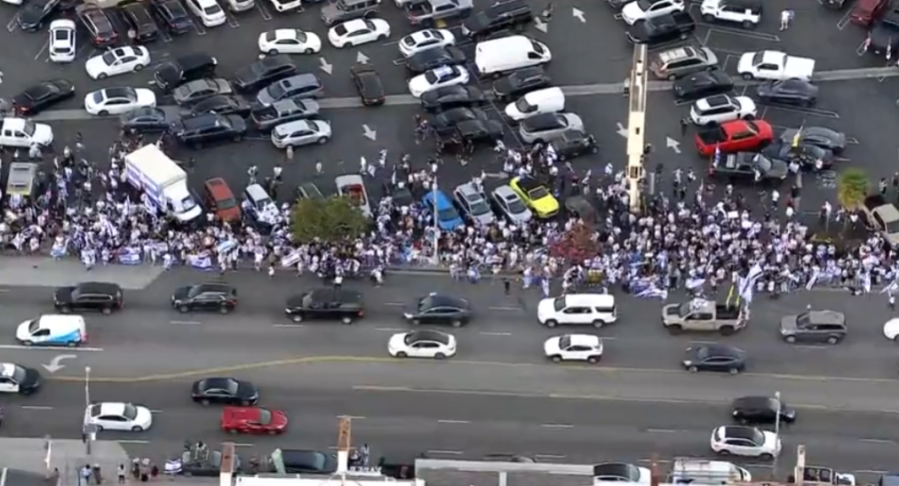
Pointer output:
x,y
441,421
495,333
441,451
394,304
185,323
156,411
11,26
287,325
549,456
507,308
241,444
557,426
132,441
877,441
54,349
36,407
389,329
352,417
661,431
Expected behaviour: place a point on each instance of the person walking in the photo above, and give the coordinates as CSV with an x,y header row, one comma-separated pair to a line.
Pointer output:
x,y
786,18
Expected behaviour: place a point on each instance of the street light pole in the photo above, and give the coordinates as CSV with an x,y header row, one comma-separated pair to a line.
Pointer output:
x,y
776,433
87,386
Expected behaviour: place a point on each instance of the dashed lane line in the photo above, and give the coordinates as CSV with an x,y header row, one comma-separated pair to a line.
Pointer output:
x,y
55,349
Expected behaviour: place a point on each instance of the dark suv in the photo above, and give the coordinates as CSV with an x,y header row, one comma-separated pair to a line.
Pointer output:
x,y
332,304
207,297
140,23
210,127
98,25
94,296
759,410
172,15
184,69
501,16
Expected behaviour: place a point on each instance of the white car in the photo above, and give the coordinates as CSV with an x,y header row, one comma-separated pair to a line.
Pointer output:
x,y
649,9
426,39
116,101
747,14
422,344
118,416
62,40
739,440
358,32
209,12
438,78
722,108
121,60
573,347
891,329
289,41
286,5
547,100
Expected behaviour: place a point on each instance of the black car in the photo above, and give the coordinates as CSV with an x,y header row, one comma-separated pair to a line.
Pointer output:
x,y
221,105
331,304
808,156
19,379
225,391
477,131
146,119
573,144
433,58
751,166
368,84
33,14
501,16
308,190
715,357
140,22
263,72
184,69
757,410
439,309
788,92
448,120
41,96
520,82
823,137
209,296
701,84
199,130
172,15
450,97
93,296
664,28
399,193
101,31
207,467
884,35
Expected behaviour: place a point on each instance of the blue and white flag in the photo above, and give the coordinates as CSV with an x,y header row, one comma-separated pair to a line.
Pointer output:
x,y
129,256
695,283
652,292
716,160
292,259
747,283
202,262
225,247
813,279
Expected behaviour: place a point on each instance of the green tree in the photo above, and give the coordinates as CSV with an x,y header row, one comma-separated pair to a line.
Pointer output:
x,y
329,219
852,188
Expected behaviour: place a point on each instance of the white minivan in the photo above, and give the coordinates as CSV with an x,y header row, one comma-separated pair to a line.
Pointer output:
x,y
52,330
497,56
547,100
594,310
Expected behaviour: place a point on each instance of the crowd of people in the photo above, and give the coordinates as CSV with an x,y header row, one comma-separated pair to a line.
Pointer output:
x,y
689,235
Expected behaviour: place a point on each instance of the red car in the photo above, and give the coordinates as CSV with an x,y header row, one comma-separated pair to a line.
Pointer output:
x,y
865,12
734,136
253,420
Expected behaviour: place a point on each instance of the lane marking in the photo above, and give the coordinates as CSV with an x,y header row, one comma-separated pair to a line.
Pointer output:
x,y
394,304
381,388
661,431
506,308
389,329
3,291
36,407
549,456
441,451
132,441
287,325
485,333
557,426
242,444
352,417
877,441
155,411
442,421
185,323
54,349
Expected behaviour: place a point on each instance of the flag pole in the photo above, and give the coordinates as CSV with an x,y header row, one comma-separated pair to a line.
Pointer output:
x,y
436,226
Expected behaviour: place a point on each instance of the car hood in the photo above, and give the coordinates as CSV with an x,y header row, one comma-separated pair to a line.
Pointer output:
x,y
503,86
43,134
551,346
279,419
264,98
779,169
181,293
30,15
632,10
247,390
330,11
144,416
397,341
295,301
94,65
63,295
33,378
788,323
246,76
545,307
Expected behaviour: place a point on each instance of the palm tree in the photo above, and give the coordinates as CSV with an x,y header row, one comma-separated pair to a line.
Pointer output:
x,y
852,188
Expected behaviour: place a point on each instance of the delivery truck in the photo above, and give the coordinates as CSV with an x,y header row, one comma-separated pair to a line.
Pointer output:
x,y
163,181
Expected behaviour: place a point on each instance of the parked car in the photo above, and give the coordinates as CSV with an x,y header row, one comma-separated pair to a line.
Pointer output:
x,y
146,119
41,96
140,22
172,15
100,29
368,84
263,72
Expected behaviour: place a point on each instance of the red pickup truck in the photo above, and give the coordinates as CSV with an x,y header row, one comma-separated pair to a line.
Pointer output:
x,y
734,136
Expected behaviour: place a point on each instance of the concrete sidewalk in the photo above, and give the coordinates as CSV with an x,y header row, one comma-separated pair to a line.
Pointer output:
x,y
28,271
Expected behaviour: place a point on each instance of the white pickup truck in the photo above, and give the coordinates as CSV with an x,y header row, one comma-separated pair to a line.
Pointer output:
x,y
775,65
19,132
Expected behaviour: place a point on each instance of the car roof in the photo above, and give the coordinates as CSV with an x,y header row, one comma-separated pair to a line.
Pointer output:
x,y
336,295
303,79
116,408
505,192
430,335
617,470
217,382
583,339
826,317
286,128
98,287
602,300
215,287
753,401
442,300
469,191
241,413
219,189
193,61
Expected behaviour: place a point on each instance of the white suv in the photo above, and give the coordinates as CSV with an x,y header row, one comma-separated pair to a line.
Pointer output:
x,y
748,13
722,108
594,310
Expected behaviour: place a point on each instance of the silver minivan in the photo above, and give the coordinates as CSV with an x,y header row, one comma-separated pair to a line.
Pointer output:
x,y
681,61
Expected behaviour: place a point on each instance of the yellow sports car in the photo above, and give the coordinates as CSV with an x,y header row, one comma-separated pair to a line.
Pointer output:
x,y
536,195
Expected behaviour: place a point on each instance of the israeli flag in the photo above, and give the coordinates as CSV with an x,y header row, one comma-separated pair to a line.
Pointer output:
x,y
290,260
747,283
225,246
129,256
652,292
716,160
58,250
816,274
202,262
695,283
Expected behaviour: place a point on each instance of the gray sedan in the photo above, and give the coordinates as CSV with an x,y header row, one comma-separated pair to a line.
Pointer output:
x,y
201,89
818,136
510,205
473,203
548,126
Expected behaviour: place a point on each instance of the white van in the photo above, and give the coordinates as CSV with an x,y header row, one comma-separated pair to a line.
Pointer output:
x,y
52,330
687,470
594,310
497,56
547,100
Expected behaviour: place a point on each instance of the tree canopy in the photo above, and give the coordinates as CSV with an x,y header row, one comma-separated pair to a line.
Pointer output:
x,y
852,187
328,219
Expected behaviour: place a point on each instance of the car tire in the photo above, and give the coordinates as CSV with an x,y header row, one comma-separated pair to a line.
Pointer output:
x,y
833,340
707,18
551,323
692,369
790,339
593,359
556,359
245,403
232,431
439,356
183,309
102,76
766,457
296,318
457,323
308,50
27,343
204,402
598,324
99,428
734,371
748,76
106,311
382,37
224,310
103,113
273,52
322,140
139,67
672,77
347,321
137,428
748,25
748,117
723,452
401,354
417,322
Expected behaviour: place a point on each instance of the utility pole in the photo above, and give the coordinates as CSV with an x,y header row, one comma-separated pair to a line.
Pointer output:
x,y
776,434
636,136
89,430
87,386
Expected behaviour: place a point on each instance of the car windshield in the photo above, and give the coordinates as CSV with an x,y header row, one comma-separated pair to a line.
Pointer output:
x,y
559,304
537,193
515,205
758,58
892,227
644,4
98,97
564,342
448,214
523,106
227,203
109,58
276,91
130,411
34,325
764,164
212,10
756,436
265,417
410,338
702,353
803,320
18,374
28,128
301,36
480,207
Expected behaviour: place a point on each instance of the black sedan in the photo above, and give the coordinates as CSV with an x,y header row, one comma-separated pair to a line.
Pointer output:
x,y
818,136
788,92
751,166
480,131
715,357
701,84
208,296
225,391
434,58
399,193
146,119
520,82
221,105
42,96
34,13
448,120
439,309
808,156
210,467
368,84
759,410
450,97
263,72
172,15
573,144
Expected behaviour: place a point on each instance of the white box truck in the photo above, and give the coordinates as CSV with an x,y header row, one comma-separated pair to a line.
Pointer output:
x,y
163,181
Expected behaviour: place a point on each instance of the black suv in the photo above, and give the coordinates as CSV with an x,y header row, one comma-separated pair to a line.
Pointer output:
x,y
520,82
172,15
96,296
755,410
184,69
263,72
208,297
503,15
336,304
140,23
202,129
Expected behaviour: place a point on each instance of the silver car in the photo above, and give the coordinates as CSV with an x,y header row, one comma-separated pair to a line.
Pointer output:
x,y
548,126
301,132
297,87
201,89
473,203
511,205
